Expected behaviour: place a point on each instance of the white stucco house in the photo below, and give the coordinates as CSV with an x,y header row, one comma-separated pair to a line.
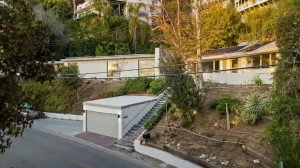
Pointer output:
x,y
116,66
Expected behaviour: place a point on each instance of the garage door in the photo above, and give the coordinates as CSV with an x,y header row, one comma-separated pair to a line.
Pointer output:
x,y
102,123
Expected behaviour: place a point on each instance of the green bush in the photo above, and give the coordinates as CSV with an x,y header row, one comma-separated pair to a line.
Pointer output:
x,y
137,85
221,101
213,104
255,106
257,81
156,117
121,90
173,117
156,86
185,123
172,110
248,118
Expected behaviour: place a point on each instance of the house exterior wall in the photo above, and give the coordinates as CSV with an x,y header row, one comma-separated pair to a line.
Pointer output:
x,y
242,5
98,68
134,114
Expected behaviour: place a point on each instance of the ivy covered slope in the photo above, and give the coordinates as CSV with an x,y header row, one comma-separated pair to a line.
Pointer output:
x,y
284,131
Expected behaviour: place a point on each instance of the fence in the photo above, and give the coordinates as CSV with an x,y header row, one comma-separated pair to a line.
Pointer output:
x,y
64,116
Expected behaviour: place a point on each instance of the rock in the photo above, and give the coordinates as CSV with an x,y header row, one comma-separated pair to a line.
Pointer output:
x,y
143,142
168,145
178,145
244,147
173,142
203,156
207,160
226,163
216,124
213,158
166,142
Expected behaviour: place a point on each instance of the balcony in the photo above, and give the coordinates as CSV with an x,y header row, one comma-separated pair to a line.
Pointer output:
x,y
84,6
242,5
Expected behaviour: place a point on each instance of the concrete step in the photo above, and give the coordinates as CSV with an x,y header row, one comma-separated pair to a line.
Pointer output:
x,y
124,142
138,125
147,117
144,120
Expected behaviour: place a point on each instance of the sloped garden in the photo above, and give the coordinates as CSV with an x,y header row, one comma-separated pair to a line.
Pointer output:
x,y
207,139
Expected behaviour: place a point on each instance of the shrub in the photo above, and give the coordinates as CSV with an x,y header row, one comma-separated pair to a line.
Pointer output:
x,y
255,106
248,118
137,85
156,86
213,104
257,81
121,90
172,110
156,117
185,123
173,117
154,136
221,103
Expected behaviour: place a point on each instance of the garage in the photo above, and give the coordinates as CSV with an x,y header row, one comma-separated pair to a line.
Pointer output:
x,y
114,117
98,121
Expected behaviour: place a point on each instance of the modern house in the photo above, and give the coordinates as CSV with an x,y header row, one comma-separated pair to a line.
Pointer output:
x,y
238,65
118,7
116,66
244,5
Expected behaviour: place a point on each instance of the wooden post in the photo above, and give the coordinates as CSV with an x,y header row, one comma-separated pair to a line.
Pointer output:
x,y
227,115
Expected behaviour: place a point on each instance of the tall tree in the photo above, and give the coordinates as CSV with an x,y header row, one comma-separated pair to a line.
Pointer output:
x,y
24,54
134,11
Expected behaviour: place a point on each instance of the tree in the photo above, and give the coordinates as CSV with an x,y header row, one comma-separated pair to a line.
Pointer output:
x,y
70,79
24,54
284,130
134,21
184,92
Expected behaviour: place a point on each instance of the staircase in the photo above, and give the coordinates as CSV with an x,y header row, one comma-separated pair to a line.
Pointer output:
x,y
138,129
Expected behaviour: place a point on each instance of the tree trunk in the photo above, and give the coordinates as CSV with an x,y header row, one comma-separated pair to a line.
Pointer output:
x,y
135,39
198,25
77,94
74,9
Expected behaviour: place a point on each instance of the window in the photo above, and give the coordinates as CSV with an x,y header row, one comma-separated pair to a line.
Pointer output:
x,y
149,64
217,65
208,66
234,65
72,64
273,60
265,59
256,61
112,68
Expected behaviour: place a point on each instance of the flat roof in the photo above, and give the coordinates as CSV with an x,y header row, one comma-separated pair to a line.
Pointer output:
x,y
131,56
120,102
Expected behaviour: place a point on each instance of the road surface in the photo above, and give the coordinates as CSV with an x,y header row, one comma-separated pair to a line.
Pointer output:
x,y
38,149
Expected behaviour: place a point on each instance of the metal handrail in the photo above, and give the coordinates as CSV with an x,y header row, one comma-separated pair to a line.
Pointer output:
x,y
157,95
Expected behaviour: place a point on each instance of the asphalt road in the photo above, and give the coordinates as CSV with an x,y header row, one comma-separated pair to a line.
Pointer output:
x,y
38,149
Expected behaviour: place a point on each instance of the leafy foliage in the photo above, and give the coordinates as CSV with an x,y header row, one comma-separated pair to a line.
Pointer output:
x,y
220,103
69,77
284,129
23,51
137,85
256,104
121,90
257,81
156,86
185,123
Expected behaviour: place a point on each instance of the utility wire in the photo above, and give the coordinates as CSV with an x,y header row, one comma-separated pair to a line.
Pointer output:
x,y
172,74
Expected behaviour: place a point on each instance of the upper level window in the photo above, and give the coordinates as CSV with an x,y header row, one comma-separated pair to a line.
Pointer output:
x,y
146,67
112,68
72,64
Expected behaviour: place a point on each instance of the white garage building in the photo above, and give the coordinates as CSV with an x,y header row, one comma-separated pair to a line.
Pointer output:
x,y
115,116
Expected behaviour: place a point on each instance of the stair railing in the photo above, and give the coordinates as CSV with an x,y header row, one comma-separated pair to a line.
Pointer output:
x,y
158,96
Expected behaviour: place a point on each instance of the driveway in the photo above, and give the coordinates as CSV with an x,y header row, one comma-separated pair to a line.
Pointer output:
x,y
67,127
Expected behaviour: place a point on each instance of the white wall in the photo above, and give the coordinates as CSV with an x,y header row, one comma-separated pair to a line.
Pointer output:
x,y
92,67
135,114
64,116
129,64
101,109
163,156
240,78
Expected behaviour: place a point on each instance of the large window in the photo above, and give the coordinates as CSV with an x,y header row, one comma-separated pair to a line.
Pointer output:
x,y
273,59
112,68
146,67
265,59
256,61
234,65
208,66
